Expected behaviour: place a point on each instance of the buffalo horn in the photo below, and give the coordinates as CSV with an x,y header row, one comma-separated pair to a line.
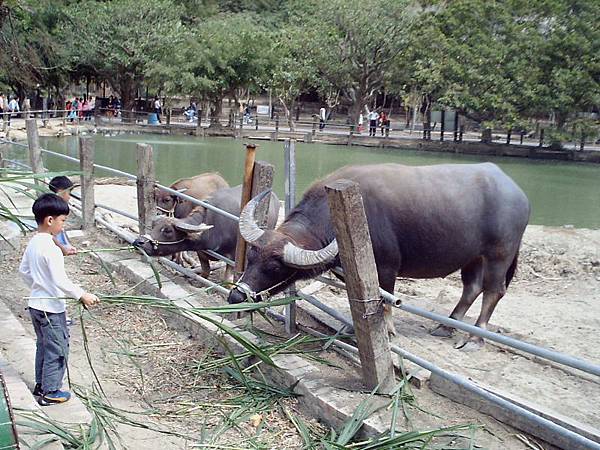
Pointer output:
x,y
249,229
191,228
295,256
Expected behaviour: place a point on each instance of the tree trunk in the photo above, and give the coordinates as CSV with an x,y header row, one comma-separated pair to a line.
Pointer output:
x,y
288,113
127,92
215,112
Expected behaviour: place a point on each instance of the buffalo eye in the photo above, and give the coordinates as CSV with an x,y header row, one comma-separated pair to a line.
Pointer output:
x,y
166,230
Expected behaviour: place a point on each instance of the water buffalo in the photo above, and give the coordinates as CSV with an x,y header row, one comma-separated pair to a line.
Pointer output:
x,y
200,187
425,222
203,229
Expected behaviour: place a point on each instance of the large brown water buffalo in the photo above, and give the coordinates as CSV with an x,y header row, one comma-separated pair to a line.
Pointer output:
x,y
425,222
200,187
203,229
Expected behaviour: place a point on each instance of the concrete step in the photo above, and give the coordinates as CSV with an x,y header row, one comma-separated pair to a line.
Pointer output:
x,y
22,401
18,346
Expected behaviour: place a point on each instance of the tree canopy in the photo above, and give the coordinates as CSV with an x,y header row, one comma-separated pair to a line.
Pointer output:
x,y
501,63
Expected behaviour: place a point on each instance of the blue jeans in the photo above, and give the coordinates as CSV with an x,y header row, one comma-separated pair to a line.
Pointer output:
x,y
52,348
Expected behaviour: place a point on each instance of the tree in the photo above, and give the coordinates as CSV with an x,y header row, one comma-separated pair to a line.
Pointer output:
x,y
359,42
121,39
292,70
232,57
32,54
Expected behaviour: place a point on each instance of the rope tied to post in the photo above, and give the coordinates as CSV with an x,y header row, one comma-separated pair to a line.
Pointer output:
x,y
380,300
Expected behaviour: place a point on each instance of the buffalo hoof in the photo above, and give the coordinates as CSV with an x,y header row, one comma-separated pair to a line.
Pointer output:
x,y
472,344
442,331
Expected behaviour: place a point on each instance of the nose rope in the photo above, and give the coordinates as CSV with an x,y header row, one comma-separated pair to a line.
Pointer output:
x,y
244,288
155,243
168,212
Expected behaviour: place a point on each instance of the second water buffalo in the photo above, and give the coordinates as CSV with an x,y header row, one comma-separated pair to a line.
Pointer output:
x,y
200,187
203,229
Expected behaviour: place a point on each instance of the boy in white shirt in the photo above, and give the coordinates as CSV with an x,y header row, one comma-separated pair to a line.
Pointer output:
x,y
43,270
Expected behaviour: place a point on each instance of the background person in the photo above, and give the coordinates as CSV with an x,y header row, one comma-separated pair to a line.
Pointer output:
x,y
13,108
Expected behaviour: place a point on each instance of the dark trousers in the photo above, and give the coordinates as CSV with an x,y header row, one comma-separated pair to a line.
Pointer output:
x,y
52,348
157,111
372,127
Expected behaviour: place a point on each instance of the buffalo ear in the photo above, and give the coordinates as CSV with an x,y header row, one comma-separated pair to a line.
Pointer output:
x,y
191,228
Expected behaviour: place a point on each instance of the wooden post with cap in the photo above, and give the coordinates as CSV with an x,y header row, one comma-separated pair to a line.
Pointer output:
x,y
240,250
360,273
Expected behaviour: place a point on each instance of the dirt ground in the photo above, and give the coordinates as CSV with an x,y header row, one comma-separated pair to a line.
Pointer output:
x,y
554,301
154,372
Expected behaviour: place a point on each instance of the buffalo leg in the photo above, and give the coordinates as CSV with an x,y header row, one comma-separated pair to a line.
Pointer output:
x,y
490,300
388,285
494,289
472,278
204,264
228,273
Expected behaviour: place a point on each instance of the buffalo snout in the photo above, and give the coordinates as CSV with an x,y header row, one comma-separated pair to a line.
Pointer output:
x,y
236,296
144,244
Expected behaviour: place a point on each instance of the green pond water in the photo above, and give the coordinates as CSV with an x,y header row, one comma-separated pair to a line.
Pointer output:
x,y
560,192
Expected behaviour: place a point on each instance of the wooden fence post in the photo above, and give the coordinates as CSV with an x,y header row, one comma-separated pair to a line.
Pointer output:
x,y
360,272
240,250
262,179
146,180
35,152
86,165
289,153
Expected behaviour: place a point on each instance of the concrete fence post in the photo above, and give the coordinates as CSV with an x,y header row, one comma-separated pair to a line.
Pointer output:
x,y
35,151
146,181
360,272
86,165
289,153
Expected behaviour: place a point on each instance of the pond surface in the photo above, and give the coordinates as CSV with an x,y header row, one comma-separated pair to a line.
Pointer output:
x,y
560,192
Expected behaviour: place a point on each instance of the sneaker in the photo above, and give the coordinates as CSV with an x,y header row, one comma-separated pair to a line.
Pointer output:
x,y
52,398
70,321
37,390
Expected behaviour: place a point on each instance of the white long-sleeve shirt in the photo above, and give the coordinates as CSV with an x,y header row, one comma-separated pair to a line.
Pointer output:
x,y
43,269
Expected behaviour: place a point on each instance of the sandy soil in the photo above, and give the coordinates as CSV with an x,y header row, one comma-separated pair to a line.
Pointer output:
x,y
553,302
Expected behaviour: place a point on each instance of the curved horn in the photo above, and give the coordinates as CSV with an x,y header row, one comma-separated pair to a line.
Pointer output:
x,y
249,229
191,228
295,256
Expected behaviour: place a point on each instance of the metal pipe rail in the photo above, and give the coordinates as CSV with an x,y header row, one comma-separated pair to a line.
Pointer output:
x,y
468,385
160,186
541,352
17,163
130,216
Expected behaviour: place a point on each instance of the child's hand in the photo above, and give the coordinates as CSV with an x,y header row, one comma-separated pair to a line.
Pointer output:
x,y
89,299
70,251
